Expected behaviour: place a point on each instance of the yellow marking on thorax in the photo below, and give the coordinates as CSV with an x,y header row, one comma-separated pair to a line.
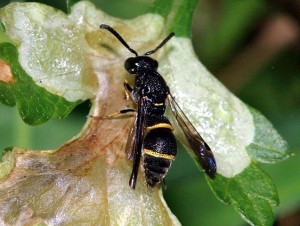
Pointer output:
x,y
159,155
160,125
158,104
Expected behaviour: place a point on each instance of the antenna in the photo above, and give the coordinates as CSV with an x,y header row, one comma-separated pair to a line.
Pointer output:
x,y
118,36
160,45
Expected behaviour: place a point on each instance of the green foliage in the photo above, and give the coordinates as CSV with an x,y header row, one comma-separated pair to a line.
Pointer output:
x,y
267,147
226,32
180,12
162,8
46,136
252,193
35,104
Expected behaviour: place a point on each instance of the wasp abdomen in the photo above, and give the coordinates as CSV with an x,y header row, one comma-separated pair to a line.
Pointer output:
x,y
155,169
160,149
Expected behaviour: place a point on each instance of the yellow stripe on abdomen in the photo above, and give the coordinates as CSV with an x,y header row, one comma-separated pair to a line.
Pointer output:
x,y
159,155
158,104
160,125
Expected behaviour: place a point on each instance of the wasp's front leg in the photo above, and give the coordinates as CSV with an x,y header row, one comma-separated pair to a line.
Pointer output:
x,y
128,90
128,95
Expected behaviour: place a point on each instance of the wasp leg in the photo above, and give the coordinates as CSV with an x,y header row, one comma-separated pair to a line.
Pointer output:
x,y
115,114
128,94
120,113
128,90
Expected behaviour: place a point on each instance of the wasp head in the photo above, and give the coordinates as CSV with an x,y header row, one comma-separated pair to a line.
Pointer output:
x,y
138,64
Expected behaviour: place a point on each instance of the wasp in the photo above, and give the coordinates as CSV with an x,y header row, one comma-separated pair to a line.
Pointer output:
x,y
151,135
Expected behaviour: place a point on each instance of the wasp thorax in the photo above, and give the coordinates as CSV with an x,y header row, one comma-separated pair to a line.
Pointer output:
x,y
138,64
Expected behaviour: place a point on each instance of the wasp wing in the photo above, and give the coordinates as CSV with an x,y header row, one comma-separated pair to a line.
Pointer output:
x,y
202,151
131,143
137,141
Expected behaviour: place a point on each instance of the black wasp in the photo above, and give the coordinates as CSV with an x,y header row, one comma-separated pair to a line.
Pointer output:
x,y
152,133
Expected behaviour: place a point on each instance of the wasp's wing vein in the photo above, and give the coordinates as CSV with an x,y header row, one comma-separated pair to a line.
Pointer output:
x,y
131,141
201,150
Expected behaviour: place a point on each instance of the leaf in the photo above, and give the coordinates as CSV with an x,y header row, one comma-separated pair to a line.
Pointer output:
x,y
254,201
83,182
70,3
48,66
268,146
179,12
35,104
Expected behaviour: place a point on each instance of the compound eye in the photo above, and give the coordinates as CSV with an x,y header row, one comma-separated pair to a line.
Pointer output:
x,y
130,65
127,64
